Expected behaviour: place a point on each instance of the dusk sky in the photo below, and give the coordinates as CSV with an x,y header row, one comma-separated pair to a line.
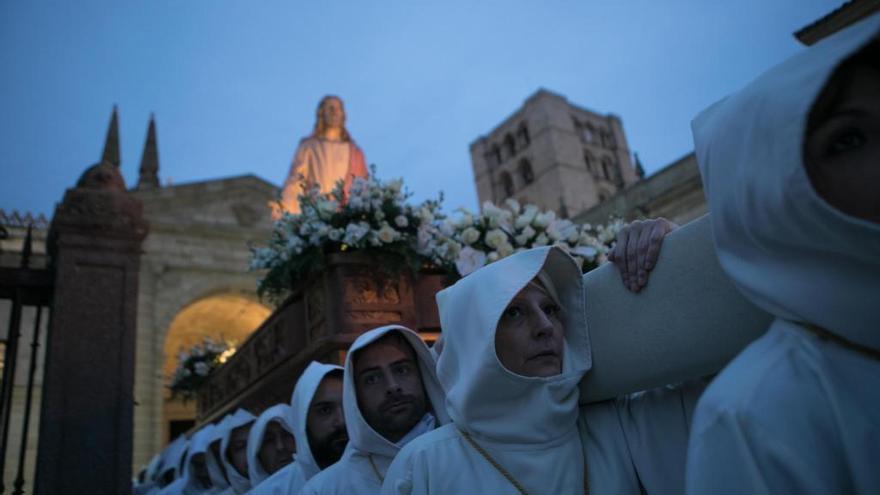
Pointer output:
x,y
234,84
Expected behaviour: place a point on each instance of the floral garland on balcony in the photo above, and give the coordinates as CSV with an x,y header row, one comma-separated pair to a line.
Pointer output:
x,y
196,364
377,220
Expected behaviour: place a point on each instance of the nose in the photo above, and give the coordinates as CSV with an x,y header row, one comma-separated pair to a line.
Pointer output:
x,y
542,327
393,385
338,420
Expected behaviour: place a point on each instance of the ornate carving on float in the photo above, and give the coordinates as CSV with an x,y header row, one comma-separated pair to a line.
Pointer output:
x,y
365,288
375,318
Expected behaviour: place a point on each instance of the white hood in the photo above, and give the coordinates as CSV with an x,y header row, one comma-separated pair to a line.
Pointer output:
x,y
172,457
218,480
361,436
789,251
300,401
153,468
482,396
279,413
239,483
198,444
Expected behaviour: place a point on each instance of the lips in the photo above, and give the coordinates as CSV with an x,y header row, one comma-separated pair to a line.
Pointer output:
x,y
544,355
397,405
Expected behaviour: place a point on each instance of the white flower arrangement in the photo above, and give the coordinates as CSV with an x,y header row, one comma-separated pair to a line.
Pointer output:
x,y
376,218
469,241
195,364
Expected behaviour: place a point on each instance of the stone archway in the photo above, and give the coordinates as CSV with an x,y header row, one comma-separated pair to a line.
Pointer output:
x,y
228,315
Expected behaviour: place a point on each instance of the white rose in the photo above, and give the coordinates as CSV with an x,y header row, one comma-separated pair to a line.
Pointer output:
x,y
512,204
541,240
527,216
387,234
464,221
335,234
505,250
469,260
495,238
401,221
201,368
542,220
354,232
588,252
356,203
492,257
470,236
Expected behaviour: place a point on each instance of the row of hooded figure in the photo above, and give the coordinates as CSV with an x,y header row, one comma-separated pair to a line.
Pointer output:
x,y
790,166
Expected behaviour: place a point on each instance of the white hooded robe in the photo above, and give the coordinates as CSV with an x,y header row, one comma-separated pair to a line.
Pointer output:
x,y
793,413
238,484
291,478
532,426
363,466
279,413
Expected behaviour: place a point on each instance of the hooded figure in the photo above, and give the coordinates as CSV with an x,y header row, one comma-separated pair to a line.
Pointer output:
x,y
148,484
512,432
171,462
291,478
798,411
279,413
193,484
363,466
212,461
238,483
187,481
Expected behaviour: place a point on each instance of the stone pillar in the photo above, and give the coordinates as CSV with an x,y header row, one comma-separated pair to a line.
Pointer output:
x,y
95,240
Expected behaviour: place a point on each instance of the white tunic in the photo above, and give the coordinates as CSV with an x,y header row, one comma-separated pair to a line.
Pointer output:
x,y
533,427
291,478
793,413
279,413
362,468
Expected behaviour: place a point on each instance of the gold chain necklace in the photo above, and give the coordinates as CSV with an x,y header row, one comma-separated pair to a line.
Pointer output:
x,y
498,467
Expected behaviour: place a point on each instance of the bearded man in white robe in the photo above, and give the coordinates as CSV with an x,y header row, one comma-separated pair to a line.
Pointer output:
x,y
318,423
791,165
391,396
322,159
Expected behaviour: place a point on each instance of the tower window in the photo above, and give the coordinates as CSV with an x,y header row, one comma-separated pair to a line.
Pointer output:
x,y
509,146
525,171
607,168
507,184
522,136
588,160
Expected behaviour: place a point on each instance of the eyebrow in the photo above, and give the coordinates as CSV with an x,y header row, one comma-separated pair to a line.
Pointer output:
x,y
378,368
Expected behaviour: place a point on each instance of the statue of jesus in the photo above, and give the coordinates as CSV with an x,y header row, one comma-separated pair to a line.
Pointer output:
x,y
323,158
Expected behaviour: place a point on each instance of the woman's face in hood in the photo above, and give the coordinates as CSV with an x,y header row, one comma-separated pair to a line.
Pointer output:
x,y
842,146
530,336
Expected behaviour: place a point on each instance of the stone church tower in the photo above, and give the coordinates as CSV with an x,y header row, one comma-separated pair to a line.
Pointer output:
x,y
554,154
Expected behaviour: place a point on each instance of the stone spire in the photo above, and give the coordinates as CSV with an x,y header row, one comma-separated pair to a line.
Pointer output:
x,y
149,171
111,144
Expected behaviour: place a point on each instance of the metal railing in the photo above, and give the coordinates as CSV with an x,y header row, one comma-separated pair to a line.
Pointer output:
x,y
24,287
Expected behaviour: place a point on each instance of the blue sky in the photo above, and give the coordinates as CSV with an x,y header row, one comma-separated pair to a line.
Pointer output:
x,y
234,84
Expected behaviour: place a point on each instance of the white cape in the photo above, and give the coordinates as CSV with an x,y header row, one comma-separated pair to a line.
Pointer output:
x,y
366,459
531,426
291,478
792,413
279,413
